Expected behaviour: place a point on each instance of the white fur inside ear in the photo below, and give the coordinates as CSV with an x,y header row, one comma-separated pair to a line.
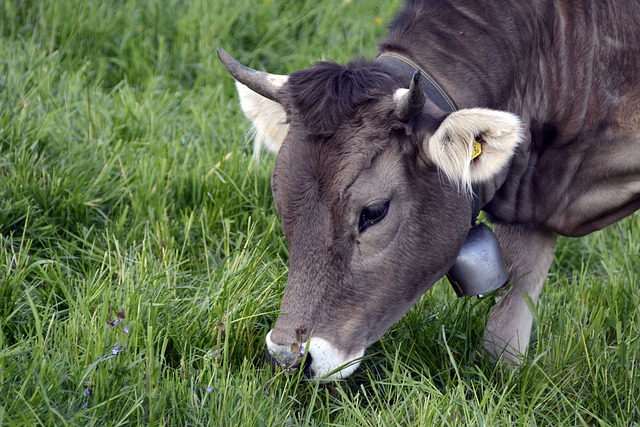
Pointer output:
x,y
268,118
451,146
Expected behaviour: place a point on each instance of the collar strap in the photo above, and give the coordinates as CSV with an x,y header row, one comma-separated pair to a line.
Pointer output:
x,y
402,66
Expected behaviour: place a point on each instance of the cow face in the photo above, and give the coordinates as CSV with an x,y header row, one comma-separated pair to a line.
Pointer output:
x,y
375,202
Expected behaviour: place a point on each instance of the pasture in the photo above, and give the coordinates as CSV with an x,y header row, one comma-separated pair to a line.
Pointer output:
x,y
142,262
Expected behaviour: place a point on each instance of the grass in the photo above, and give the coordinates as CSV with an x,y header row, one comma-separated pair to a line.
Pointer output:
x,y
142,262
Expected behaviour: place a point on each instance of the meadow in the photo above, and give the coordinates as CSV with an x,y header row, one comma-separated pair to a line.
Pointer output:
x,y
142,262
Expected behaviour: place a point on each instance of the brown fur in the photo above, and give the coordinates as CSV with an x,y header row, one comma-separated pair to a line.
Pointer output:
x,y
569,69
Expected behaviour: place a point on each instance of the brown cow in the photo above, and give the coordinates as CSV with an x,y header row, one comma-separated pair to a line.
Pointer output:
x,y
528,110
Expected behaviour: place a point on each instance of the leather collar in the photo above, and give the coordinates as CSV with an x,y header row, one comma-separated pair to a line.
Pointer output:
x,y
402,66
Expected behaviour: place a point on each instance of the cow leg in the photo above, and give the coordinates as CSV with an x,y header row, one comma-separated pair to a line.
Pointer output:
x,y
528,253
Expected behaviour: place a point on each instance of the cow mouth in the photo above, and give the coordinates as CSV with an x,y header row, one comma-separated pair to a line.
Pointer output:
x,y
303,363
317,358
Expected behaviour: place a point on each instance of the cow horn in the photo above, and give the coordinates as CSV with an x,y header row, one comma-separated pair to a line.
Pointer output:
x,y
410,104
260,82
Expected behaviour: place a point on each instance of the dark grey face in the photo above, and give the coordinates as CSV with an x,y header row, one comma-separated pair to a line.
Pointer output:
x,y
370,226
373,185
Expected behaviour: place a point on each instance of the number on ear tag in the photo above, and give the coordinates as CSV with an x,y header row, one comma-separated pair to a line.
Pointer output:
x,y
477,150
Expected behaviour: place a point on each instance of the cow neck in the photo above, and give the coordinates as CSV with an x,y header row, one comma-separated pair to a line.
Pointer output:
x,y
404,68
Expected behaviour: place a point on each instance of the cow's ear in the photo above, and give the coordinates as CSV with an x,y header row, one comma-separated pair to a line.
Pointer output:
x,y
268,118
474,144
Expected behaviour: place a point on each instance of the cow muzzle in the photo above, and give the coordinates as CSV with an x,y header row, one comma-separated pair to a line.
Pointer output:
x,y
318,358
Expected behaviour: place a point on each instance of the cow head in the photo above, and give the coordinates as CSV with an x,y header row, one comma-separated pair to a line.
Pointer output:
x,y
373,185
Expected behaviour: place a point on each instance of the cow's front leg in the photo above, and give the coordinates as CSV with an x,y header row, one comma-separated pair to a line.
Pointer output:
x,y
528,253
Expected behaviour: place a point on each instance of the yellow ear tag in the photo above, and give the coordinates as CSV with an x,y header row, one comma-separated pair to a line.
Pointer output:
x,y
477,150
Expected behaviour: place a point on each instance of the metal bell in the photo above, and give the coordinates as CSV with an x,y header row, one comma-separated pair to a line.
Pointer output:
x,y
479,267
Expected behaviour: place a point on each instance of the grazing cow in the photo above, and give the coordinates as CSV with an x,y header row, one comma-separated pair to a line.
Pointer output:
x,y
527,110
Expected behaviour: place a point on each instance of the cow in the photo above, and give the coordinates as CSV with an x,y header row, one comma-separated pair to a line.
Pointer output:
x,y
526,110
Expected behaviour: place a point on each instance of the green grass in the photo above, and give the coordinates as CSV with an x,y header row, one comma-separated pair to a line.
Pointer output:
x,y
142,262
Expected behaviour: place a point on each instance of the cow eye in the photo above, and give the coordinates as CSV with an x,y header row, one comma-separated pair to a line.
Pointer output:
x,y
372,214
